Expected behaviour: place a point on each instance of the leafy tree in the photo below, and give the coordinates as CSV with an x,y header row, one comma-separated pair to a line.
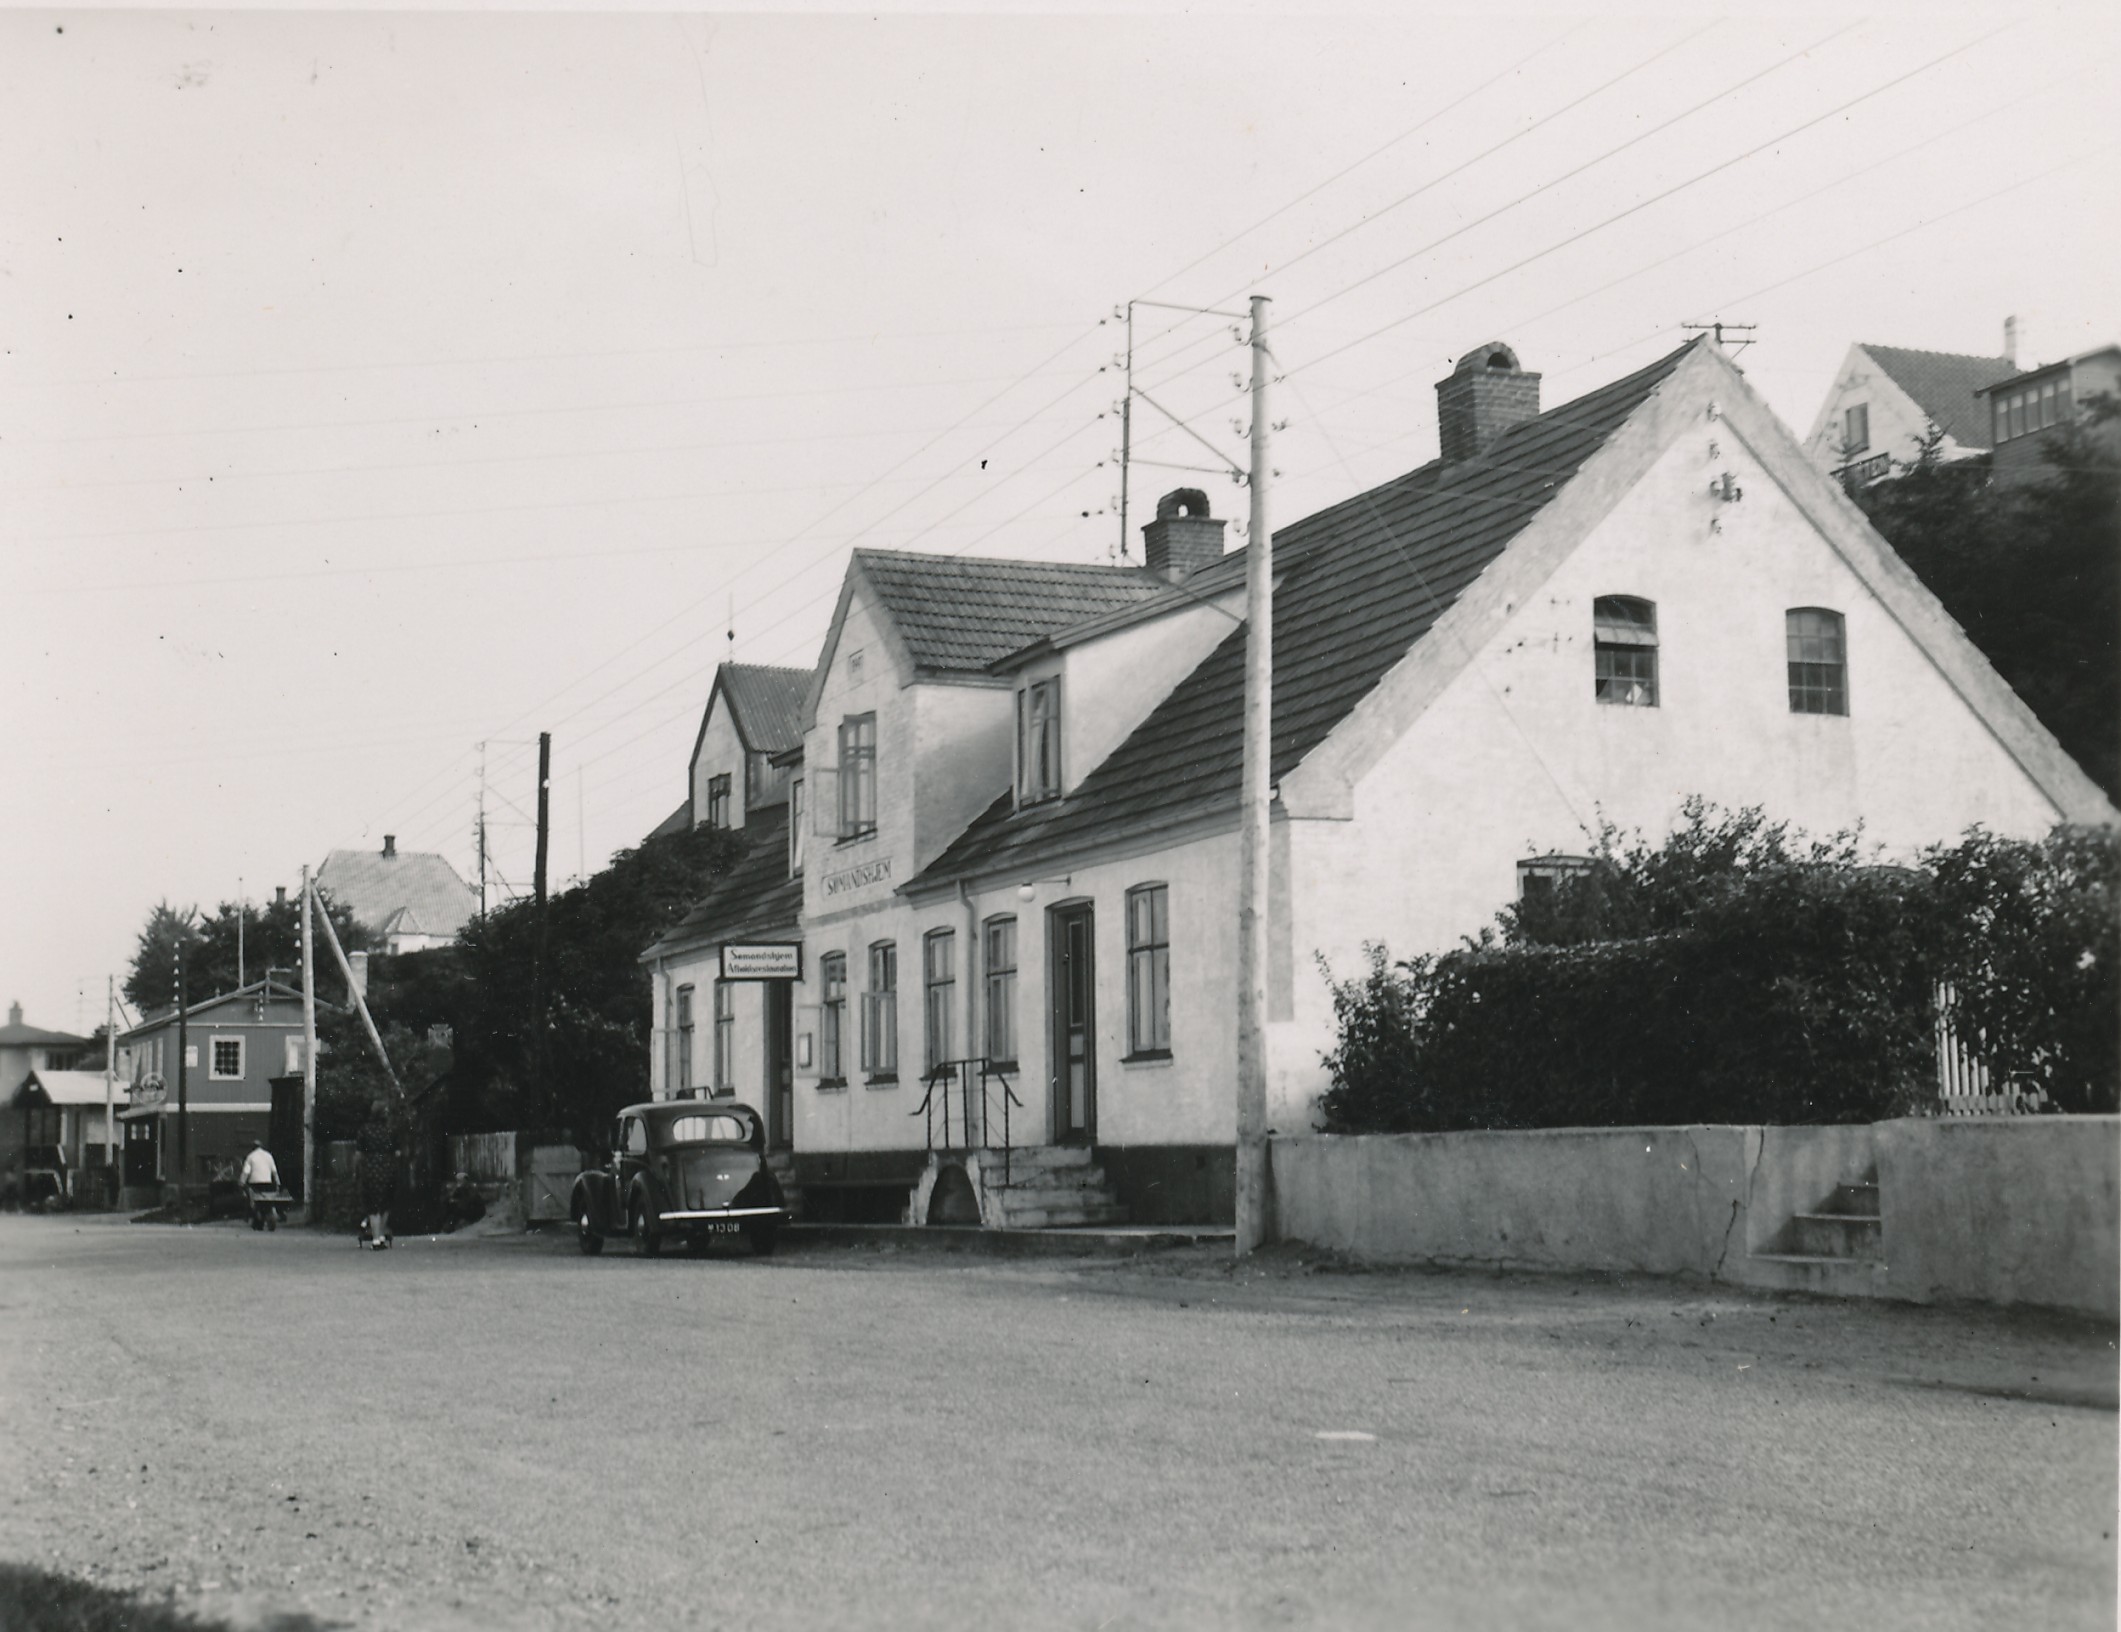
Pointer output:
x,y
2030,572
272,938
598,1003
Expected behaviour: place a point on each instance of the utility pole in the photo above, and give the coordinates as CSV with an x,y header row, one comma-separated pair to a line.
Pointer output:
x,y
1253,798
482,832
240,982
537,984
183,1075
1126,435
110,1078
309,1052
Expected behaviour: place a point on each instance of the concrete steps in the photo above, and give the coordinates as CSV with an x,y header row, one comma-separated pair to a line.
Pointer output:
x,y
1045,1187
1836,1249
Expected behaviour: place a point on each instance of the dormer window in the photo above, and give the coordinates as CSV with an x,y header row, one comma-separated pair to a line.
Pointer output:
x,y
718,800
1038,742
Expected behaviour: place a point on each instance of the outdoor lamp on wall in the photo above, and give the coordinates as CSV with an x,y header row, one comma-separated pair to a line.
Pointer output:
x,y
1028,890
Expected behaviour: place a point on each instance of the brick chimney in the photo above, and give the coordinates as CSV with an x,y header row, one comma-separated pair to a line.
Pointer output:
x,y
14,1014
390,846
2010,341
1484,396
1184,537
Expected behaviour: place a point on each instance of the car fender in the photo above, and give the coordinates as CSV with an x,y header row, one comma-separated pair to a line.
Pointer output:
x,y
592,1191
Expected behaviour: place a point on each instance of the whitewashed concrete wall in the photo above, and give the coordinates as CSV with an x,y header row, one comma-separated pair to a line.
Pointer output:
x,y
2003,1210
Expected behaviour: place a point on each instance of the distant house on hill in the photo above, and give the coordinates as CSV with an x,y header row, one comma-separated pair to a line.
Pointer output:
x,y
1885,401
408,901
2023,409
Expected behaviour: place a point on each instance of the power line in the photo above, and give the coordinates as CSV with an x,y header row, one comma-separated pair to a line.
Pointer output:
x,y
535,357
1456,170
1632,209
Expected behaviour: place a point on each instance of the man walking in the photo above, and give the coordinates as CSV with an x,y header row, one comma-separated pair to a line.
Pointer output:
x,y
260,1174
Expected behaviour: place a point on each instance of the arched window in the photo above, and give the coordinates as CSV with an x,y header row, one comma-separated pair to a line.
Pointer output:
x,y
1624,638
1818,656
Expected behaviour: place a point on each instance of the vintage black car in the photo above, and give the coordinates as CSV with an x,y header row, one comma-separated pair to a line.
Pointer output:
x,y
681,1170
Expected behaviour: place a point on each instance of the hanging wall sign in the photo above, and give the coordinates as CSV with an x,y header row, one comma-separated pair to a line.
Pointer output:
x,y
763,960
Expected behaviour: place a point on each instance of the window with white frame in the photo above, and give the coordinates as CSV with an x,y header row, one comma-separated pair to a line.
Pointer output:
x,y
1000,994
724,1037
1818,660
1624,647
1148,970
291,1055
1856,429
795,827
880,1014
1038,742
226,1059
681,1072
938,993
857,777
832,1017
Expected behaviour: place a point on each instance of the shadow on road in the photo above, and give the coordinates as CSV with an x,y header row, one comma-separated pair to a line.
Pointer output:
x,y
34,1600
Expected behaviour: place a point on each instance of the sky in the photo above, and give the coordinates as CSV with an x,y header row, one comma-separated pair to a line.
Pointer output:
x,y
378,390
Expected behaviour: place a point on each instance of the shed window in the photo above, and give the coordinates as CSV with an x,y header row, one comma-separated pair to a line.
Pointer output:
x,y
1624,639
1818,658
227,1059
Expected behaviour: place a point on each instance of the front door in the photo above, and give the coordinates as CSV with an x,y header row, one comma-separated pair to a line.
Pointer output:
x,y
780,1065
1074,1054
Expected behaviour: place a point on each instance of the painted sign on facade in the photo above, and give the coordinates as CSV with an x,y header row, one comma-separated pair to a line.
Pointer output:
x,y
763,960
869,872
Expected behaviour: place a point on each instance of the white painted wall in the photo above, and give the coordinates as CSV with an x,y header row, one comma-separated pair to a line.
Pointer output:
x,y
721,753
1111,684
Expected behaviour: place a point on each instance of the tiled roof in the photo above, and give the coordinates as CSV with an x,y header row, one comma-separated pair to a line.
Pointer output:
x,y
755,897
21,1036
678,821
1943,384
958,614
767,703
1369,577
375,888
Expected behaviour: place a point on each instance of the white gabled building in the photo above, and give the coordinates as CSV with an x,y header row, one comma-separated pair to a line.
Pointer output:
x,y
1022,777
1886,402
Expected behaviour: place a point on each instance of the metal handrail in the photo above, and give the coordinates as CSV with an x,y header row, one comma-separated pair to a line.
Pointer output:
x,y
963,1075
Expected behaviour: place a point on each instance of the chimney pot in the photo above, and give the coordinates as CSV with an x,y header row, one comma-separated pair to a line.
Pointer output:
x,y
14,1014
280,894
2010,341
390,845
1184,537
1481,398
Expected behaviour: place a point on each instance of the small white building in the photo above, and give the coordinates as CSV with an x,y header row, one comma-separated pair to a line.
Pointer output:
x,y
408,900
1018,883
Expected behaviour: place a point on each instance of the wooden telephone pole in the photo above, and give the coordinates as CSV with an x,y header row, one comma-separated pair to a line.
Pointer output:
x,y
1253,801
538,977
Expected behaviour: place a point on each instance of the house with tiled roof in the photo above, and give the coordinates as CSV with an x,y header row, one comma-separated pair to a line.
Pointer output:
x,y
2027,409
1887,401
407,900
1018,881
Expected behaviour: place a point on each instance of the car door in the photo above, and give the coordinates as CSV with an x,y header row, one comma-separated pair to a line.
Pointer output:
x,y
629,1158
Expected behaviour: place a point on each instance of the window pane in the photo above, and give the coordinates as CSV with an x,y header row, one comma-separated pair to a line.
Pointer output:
x,y
1817,661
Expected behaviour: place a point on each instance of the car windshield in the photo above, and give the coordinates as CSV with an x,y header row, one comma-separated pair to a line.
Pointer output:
x,y
706,1130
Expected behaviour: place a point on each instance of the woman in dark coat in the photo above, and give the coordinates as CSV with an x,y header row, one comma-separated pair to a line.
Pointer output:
x,y
382,1149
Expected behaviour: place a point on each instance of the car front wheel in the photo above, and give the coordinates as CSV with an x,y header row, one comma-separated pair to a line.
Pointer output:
x,y
585,1235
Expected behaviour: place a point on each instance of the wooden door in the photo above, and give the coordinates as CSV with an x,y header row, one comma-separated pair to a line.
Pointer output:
x,y
1073,993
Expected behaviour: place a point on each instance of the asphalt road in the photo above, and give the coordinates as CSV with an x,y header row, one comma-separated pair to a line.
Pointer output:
x,y
481,1433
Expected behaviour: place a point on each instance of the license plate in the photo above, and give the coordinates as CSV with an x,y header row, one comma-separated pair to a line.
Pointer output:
x,y
722,1226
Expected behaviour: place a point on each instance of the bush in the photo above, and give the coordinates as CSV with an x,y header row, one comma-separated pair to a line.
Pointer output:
x,y
1736,973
